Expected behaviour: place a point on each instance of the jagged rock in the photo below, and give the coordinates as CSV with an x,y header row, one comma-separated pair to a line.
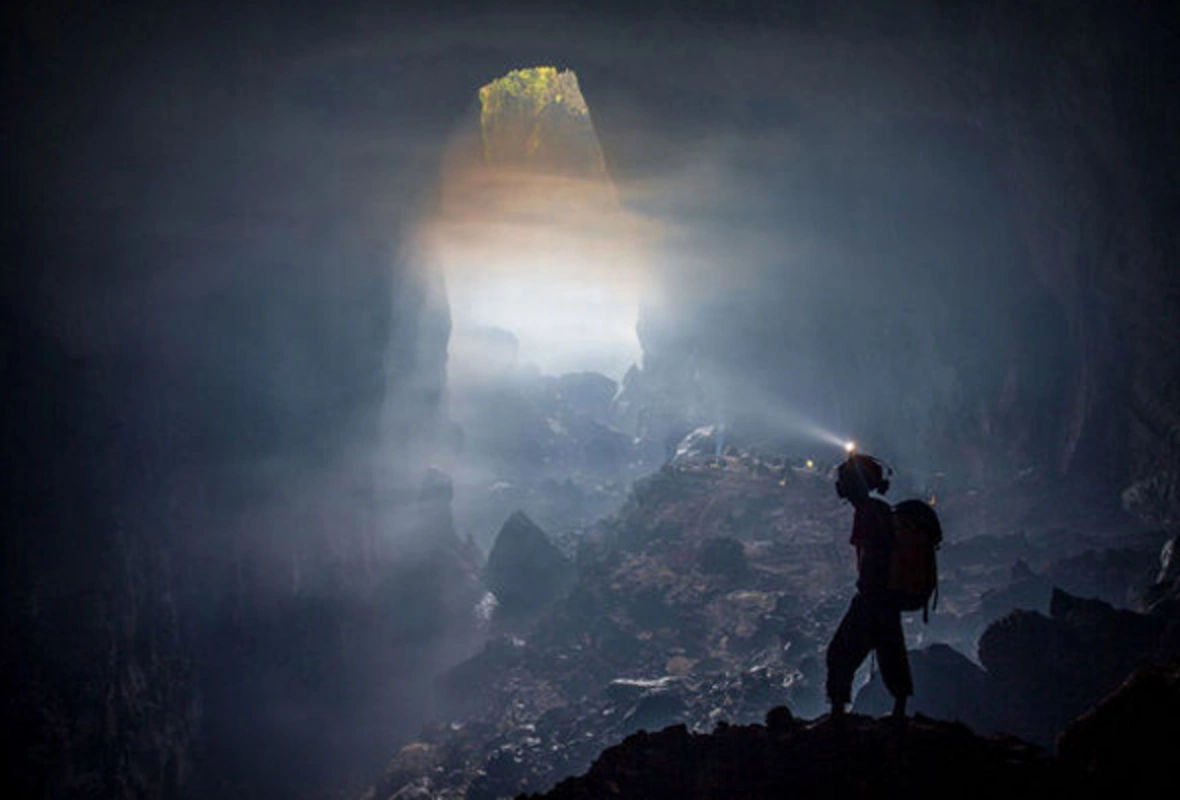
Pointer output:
x,y
1026,655
525,569
862,758
493,351
588,393
779,720
599,447
1026,590
655,710
947,685
703,442
1116,575
542,445
1123,744
1152,499
465,690
649,636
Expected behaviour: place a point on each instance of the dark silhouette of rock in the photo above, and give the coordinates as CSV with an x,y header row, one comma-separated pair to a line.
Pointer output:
x,y
779,720
1026,590
525,570
588,393
1123,744
648,636
947,685
1119,746
860,758
1043,671
599,447
656,710
1116,575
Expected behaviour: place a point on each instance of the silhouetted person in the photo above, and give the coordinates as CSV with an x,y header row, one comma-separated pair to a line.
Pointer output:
x,y
873,620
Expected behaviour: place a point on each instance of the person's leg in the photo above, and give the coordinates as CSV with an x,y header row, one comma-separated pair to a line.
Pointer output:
x,y
893,659
848,649
899,704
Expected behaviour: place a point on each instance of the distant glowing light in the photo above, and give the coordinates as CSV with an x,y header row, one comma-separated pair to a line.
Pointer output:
x,y
850,447
810,464
556,261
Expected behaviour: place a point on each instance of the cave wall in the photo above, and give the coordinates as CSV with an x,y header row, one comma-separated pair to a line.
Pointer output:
x,y
980,196
225,366
229,372
101,697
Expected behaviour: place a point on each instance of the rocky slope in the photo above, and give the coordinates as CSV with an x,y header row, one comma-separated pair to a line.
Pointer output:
x,y
1036,672
861,757
710,598
1116,748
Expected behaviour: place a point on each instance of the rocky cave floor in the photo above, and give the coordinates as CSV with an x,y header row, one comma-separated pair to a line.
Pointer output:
x,y
708,600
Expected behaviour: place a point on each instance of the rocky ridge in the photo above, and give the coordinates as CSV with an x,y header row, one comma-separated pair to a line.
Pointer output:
x,y
1115,748
710,598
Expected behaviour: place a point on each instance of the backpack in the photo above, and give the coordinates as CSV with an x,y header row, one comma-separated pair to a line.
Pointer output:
x,y
913,567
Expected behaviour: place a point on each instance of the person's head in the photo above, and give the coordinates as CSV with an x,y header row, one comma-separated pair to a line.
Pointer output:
x,y
859,475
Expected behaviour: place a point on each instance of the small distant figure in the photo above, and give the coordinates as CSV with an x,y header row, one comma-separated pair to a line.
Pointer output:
x,y
873,620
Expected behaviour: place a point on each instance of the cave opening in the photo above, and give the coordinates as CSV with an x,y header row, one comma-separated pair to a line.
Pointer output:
x,y
238,346
543,265
544,269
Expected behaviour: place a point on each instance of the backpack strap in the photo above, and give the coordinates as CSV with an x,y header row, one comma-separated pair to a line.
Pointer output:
x,y
926,608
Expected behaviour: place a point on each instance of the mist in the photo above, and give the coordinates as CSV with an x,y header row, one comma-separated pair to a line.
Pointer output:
x,y
289,347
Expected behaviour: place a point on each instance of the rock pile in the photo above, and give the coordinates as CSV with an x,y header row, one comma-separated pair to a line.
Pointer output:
x,y
710,597
859,757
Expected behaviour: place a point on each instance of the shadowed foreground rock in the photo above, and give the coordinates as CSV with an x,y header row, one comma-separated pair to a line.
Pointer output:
x,y
1128,741
1124,745
863,757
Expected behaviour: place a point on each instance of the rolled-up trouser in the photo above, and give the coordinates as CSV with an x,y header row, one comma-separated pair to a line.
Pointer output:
x,y
869,624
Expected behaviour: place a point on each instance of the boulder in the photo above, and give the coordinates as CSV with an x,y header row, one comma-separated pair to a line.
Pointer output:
x,y
588,393
1127,742
1026,590
525,570
703,442
1046,670
947,685
859,758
